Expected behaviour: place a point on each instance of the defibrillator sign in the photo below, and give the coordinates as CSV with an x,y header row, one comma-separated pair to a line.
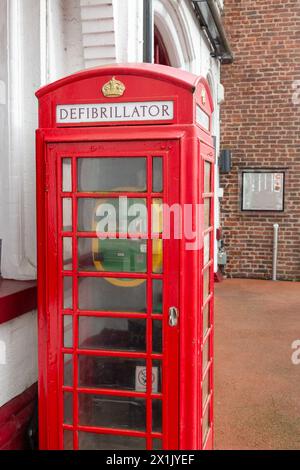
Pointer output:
x,y
115,112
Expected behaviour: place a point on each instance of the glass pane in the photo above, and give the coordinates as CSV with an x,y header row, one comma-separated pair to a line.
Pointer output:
x,y
68,370
205,389
115,334
263,191
202,118
109,372
67,215
156,377
157,339
205,356
68,408
113,215
68,254
112,412
157,212
68,440
112,295
157,174
68,331
207,218
112,255
206,284
207,248
89,441
207,177
67,175
157,444
112,174
206,424
157,296
157,256
156,416
206,319
68,293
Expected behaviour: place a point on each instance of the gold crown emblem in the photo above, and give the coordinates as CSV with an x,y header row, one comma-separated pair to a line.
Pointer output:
x,y
114,88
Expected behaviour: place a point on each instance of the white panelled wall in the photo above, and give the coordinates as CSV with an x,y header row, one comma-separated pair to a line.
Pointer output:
x,y
42,41
99,45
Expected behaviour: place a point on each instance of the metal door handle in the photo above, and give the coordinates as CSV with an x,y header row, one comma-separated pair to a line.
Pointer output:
x,y
173,316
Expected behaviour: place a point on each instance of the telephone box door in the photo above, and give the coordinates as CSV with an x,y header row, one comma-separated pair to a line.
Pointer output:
x,y
113,296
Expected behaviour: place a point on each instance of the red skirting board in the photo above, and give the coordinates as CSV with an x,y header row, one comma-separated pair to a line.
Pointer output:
x,y
16,299
14,420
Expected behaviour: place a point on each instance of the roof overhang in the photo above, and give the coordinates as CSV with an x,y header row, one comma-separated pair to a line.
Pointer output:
x,y
211,22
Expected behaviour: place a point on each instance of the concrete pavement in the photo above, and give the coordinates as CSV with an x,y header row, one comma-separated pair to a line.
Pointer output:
x,y
257,388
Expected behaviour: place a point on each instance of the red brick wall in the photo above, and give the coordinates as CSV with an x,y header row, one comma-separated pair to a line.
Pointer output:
x,y
261,125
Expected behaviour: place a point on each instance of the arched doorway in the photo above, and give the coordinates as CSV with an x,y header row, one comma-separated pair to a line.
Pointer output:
x,y
161,55
173,40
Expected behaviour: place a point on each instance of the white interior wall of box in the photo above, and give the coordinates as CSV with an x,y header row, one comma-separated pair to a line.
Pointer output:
x,y
41,41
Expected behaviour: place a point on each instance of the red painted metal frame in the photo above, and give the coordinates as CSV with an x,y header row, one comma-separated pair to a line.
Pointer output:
x,y
207,154
57,152
185,147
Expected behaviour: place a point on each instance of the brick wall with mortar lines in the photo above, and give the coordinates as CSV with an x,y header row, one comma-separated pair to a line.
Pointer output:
x,y
261,125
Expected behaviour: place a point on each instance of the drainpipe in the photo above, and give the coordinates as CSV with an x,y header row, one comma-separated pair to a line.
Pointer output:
x,y
148,31
227,57
275,250
211,23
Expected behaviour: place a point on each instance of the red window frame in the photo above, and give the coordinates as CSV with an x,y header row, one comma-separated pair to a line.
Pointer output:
x,y
207,338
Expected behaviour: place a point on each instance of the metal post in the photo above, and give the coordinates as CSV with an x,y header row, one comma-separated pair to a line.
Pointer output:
x,y
275,250
148,32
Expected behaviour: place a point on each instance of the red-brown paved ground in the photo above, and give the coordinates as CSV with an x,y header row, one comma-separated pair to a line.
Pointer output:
x,y
257,388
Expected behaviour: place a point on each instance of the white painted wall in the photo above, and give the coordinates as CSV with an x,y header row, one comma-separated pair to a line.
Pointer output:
x,y
73,41
17,162
3,107
128,30
57,57
98,32
18,356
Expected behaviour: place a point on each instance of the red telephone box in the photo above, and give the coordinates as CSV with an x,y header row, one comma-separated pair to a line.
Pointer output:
x,y
125,303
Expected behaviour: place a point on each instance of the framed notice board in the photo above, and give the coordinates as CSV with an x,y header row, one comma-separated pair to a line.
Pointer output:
x,y
263,190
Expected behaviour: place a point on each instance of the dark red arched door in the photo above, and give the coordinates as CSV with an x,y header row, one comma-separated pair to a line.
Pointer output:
x,y
161,55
